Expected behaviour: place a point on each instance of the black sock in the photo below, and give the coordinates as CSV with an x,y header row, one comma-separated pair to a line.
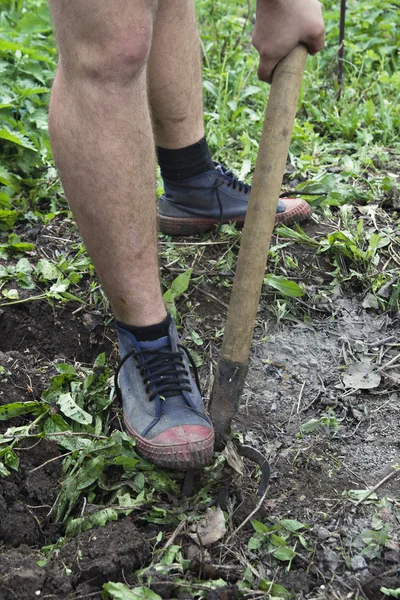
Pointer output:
x,y
185,162
150,332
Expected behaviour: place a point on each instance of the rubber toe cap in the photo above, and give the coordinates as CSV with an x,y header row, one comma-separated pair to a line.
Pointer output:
x,y
296,211
183,447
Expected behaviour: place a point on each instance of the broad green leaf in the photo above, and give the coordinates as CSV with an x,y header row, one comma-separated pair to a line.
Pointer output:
x,y
284,553
275,589
70,409
119,591
178,286
7,178
88,474
277,540
255,542
210,87
140,481
4,472
292,524
14,47
46,270
297,236
35,21
65,369
55,423
8,219
360,494
18,247
24,266
10,459
60,286
394,593
310,426
286,287
12,294
259,527
17,138
16,409
97,519
5,200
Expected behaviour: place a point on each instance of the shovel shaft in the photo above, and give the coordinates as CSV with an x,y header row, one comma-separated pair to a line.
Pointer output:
x,y
256,238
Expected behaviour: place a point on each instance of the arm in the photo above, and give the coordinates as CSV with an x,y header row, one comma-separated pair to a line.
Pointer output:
x,y
281,25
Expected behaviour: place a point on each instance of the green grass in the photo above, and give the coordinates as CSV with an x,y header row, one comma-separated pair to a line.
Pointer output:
x,y
344,150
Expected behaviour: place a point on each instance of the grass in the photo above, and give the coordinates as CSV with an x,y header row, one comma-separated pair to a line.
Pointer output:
x,y
344,153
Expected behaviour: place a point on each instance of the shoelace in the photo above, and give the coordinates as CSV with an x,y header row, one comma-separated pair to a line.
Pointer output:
x,y
234,182
164,372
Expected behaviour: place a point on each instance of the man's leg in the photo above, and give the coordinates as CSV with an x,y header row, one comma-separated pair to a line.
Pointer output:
x,y
103,144
197,195
175,86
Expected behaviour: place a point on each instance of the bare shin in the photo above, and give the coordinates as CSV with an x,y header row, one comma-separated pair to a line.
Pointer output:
x,y
103,144
175,87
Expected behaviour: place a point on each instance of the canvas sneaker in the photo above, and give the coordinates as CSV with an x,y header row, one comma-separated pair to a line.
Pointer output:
x,y
161,401
196,205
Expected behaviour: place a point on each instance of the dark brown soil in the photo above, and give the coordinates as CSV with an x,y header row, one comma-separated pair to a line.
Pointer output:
x,y
84,564
26,496
40,329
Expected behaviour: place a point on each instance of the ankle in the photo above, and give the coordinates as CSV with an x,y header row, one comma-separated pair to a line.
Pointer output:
x,y
187,162
148,333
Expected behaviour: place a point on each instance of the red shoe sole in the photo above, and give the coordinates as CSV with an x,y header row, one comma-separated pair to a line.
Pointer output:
x,y
297,211
167,453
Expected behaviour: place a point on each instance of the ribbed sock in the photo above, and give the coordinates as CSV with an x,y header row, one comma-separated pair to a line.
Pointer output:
x,y
187,162
150,332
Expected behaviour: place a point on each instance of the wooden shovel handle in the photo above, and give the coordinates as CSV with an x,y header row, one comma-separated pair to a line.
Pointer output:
x,y
256,237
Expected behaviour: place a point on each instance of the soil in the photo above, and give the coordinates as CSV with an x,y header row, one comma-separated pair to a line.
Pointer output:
x,y
295,375
83,565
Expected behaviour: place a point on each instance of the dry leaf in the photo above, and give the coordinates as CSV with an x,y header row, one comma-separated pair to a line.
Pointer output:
x,y
210,529
233,458
361,376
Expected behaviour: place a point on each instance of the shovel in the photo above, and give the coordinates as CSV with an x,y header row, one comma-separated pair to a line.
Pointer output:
x,y
256,238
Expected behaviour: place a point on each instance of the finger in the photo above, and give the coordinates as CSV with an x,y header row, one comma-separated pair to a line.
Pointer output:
x,y
316,42
266,69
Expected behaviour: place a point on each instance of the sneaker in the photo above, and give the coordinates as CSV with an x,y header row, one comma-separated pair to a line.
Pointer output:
x,y
197,204
162,405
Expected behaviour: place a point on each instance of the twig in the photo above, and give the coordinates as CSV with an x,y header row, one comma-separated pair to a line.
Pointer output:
x,y
300,396
377,486
51,460
217,300
169,542
360,589
391,362
382,342
341,46
61,433
247,519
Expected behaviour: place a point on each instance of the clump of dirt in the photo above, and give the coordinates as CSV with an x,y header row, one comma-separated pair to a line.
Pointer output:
x,y
37,328
93,558
103,554
27,495
22,378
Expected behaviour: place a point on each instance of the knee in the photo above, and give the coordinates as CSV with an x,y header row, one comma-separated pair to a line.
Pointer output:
x,y
116,61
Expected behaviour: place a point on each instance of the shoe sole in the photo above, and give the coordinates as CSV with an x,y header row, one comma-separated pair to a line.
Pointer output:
x,y
181,226
177,457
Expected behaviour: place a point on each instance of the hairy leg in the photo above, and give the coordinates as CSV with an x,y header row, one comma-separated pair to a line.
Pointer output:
x,y
174,70
103,144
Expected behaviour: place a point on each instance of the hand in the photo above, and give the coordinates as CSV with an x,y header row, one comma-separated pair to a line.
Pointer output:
x,y
281,25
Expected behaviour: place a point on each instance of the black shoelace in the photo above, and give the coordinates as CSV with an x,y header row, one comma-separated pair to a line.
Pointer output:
x,y
234,182
164,372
